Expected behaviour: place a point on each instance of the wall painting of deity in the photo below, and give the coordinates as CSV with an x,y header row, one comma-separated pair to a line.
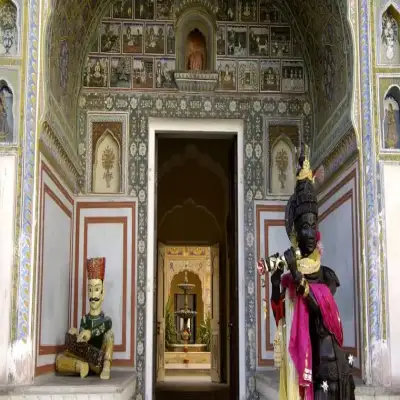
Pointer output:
x,y
221,40
270,76
120,76
293,76
95,73
123,9
154,39
144,9
143,73
6,113
247,10
249,77
237,41
110,38
280,41
165,10
132,38
226,10
391,120
165,69
227,75
258,41
170,39
269,13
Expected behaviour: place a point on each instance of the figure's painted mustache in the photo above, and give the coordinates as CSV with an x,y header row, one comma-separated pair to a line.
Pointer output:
x,y
94,299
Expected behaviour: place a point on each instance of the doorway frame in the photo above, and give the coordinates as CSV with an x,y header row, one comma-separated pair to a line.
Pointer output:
x,y
189,128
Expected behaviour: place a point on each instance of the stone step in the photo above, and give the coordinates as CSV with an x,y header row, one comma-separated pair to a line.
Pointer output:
x,y
187,369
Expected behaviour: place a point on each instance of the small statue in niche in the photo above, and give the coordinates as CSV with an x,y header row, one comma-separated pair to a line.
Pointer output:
x,y
392,137
309,343
196,45
6,116
92,348
389,34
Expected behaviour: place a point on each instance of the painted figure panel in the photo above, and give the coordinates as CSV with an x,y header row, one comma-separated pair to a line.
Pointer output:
x,y
110,38
247,10
96,72
389,46
221,40
270,76
259,41
8,29
269,13
132,39
123,9
391,124
165,69
248,76
170,39
144,9
143,73
226,10
6,113
237,41
227,75
280,41
121,72
165,9
154,39
293,77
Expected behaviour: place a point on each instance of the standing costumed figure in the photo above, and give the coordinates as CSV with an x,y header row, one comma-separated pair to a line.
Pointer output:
x,y
309,339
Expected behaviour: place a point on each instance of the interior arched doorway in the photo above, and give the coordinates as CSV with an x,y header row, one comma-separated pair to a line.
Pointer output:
x,y
323,109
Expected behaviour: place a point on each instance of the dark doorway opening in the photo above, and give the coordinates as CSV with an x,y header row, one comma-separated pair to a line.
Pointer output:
x,y
196,204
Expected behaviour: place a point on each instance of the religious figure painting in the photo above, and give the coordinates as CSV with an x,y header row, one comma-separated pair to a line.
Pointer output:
x,y
269,13
154,39
165,69
123,9
165,10
110,38
96,72
391,124
143,73
227,75
221,40
226,10
132,38
170,39
293,77
280,41
249,76
258,41
120,75
144,9
247,10
390,47
6,113
8,28
270,76
237,41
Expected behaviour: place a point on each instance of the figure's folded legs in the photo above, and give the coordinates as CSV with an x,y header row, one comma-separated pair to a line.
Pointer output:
x,y
108,348
71,365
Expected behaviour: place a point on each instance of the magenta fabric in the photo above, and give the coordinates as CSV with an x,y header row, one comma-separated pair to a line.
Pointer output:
x,y
300,343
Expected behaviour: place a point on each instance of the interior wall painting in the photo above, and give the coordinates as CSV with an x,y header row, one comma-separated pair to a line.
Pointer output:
x,y
248,76
165,69
6,113
132,38
389,46
247,10
8,28
154,39
106,156
270,76
258,41
221,40
110,38
121,74
96,72
144,9
269,13
280,41
170,39
391,121
143,73
165,10
123,9
227,75
237,41
293,76
226,10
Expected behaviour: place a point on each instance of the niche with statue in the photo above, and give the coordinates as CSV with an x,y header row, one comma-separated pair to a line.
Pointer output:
x,y
391,120
195,47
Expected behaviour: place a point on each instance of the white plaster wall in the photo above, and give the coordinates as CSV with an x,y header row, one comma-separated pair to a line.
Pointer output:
x,y
54,264
7,215
105,237
391,175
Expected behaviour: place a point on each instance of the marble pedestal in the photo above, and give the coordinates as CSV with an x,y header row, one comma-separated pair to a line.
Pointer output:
x,y
267,385
121,386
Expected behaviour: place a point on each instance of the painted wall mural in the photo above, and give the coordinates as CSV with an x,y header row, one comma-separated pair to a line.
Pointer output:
x,y
8,29
389,46
6,113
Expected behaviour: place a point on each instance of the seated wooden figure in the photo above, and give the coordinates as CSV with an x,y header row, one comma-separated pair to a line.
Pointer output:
x,y
90,349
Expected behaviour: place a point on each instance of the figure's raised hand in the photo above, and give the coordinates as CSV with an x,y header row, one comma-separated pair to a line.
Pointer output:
x,y
84,336
276,277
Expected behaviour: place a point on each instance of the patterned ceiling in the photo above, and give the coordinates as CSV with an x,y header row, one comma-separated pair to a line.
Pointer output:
x,y
324,32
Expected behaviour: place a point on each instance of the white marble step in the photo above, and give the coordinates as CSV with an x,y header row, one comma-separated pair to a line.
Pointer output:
x,y
121,386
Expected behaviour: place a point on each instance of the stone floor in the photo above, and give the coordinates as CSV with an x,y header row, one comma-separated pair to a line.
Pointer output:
x,y
121,386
